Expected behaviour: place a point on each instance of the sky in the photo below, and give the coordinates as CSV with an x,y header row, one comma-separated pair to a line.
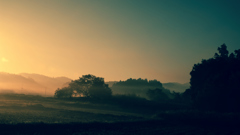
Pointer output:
x,y
115,39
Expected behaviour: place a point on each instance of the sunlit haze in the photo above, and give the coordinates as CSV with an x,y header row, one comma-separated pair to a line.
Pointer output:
x,y
117,40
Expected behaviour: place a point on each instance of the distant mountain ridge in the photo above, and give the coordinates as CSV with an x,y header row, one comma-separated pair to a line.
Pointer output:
x,y
31,83
49,82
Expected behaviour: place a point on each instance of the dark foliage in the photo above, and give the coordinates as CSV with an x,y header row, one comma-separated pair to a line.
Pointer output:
x,y
137,87
215,82
85,86
157,95
65,92
139,82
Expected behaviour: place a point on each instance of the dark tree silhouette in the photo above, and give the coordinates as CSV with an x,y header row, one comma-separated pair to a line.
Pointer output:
x,y
139,82
215,83
63,93
138,87
157,95
86,86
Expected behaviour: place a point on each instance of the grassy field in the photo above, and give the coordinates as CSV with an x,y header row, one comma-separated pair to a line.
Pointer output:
x,y
28,114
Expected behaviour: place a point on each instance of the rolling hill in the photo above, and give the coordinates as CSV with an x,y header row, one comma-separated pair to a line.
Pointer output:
x,y
31,83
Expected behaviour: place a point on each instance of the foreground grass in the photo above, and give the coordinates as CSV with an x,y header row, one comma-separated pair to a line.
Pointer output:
x,y
35,115
147,127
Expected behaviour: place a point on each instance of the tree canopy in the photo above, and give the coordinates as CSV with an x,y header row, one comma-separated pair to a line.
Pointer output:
x,y
85,86
149,89
215,82
157,95
139,83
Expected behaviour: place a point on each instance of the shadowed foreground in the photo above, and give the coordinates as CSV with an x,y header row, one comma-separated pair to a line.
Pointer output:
x,y
123,128
35,115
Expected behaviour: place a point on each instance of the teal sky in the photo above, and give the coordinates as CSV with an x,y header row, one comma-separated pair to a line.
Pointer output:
x,y
115,39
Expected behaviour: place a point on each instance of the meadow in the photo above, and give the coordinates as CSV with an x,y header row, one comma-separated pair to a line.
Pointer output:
x,y
32,114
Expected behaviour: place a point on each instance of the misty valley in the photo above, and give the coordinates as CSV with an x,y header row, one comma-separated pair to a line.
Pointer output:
x,y
119,67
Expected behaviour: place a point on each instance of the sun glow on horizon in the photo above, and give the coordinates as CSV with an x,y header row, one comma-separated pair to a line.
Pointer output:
x,y
115,40
4,59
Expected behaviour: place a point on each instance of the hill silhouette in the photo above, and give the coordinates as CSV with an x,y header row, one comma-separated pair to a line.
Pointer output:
x,y
50,83
26,83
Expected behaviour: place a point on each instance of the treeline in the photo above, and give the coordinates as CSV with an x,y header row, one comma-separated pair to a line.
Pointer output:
x,y
139,82
215,82
91,86
215,85
142,88
86,86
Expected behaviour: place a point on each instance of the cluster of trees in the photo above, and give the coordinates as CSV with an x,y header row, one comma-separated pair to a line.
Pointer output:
x,y
86,86
215,85
157,95
95,87
152,89
139,82
215,82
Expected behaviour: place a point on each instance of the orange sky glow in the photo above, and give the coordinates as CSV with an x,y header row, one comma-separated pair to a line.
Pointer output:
x,y
60,38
